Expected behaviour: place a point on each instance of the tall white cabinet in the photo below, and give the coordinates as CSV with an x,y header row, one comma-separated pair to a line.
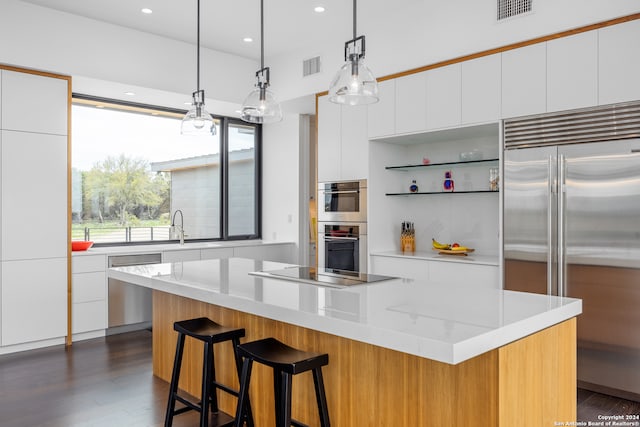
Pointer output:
x,y
342,142
33,209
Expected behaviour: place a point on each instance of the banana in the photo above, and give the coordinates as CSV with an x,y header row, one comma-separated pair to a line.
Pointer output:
x,y
438,245
460,248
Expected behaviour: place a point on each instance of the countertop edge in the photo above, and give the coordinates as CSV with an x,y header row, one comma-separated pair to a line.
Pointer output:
x,y
434,256
135,249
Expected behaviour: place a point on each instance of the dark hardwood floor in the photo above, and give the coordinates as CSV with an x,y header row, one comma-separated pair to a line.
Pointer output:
x,y
108,382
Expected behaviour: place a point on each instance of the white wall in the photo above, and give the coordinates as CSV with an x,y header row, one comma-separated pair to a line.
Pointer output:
x,y
280,180
421,32
41,38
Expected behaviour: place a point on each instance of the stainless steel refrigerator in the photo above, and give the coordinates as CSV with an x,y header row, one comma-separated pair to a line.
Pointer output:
x,y
572,228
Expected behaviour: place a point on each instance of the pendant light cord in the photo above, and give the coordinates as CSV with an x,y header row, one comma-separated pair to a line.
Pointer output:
x,y
198,51
354,19
261,34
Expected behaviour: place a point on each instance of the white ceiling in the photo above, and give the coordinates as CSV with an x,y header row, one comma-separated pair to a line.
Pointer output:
x,y
289,24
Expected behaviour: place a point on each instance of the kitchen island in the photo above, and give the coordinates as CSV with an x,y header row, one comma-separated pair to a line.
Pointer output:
x,y
401,352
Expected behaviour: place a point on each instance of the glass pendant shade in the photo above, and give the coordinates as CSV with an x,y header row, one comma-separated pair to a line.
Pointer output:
x,y
354,84
261,107
198,121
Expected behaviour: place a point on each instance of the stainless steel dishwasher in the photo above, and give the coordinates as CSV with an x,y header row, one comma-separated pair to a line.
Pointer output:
x,y
129,305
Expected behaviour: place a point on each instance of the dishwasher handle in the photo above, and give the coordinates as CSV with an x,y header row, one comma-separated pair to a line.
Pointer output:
x,y
137,259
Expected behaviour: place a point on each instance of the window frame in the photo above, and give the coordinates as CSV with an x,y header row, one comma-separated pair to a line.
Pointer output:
x,y
224,123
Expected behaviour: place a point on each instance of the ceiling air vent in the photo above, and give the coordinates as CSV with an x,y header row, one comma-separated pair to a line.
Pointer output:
x,y
509,8
310,66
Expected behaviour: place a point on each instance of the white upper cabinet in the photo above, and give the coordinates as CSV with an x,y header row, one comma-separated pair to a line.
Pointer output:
x,y
34,103
572,72
481,81
34,195
619,63
411,103
524,81
354,151
382,115
342,142
328,139
444,96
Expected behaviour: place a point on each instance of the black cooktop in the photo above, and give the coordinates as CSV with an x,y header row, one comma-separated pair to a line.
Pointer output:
x,y
327,276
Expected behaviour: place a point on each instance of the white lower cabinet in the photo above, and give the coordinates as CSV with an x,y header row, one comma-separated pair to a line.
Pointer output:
x,y
89,294
400,267
89,302
181,255
89,316
276,253
34,300
216,253
484,276
437,272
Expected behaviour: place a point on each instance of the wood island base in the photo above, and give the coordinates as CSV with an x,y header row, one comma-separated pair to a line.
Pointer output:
x,y
528,383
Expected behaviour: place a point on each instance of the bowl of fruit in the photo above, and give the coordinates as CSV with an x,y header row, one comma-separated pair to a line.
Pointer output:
x,y
450,248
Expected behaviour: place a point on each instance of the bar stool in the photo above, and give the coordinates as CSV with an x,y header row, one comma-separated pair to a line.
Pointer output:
x,y
208,331
286,362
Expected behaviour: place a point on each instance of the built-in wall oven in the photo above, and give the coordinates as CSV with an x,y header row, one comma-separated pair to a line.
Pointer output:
x,y
342,201
342,246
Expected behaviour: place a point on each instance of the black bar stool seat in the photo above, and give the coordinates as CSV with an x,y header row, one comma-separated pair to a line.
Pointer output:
x,y
286,361
210,333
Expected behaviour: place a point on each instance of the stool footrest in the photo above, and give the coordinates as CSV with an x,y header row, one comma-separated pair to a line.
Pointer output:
x,y
225,388
298,424
189,405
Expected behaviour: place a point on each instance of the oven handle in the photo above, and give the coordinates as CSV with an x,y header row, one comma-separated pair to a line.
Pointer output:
x,y
329,239
341,191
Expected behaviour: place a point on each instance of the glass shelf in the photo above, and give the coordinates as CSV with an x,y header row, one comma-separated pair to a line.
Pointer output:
x,y
440,192
431,165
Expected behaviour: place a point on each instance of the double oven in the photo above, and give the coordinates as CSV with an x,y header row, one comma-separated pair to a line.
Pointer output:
x,y
342,226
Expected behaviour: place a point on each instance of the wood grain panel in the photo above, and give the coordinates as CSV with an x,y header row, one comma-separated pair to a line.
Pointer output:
x,y
367,385
538,378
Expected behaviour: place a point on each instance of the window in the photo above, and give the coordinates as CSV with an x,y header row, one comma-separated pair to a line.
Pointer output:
x,y
134,176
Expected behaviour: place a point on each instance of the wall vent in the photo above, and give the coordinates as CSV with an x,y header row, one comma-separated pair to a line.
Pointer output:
x,y
311,66
509,8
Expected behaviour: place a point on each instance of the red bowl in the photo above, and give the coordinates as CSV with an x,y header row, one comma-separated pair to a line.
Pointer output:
x,y
81,245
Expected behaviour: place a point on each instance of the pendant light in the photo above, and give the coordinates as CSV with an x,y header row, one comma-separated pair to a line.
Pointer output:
x,y
198,121
261,105
354,83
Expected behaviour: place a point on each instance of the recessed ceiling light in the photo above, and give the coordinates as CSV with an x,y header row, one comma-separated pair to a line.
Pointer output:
x,y
247,39
146,11
129,93
319,9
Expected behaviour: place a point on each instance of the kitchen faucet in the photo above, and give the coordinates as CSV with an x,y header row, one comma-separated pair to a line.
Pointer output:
x,y
180,227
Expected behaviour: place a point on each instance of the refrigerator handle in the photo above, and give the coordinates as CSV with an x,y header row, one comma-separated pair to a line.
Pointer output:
x,y
550,195
561,223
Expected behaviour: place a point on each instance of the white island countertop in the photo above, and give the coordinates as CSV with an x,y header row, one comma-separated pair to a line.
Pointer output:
x,y
450,324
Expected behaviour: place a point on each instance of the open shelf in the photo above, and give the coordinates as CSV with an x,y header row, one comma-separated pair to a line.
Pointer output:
x,y
440,192
431,165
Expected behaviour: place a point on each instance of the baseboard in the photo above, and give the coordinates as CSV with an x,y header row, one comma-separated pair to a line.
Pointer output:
x,y
88,335
622,394
128,328
31,345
